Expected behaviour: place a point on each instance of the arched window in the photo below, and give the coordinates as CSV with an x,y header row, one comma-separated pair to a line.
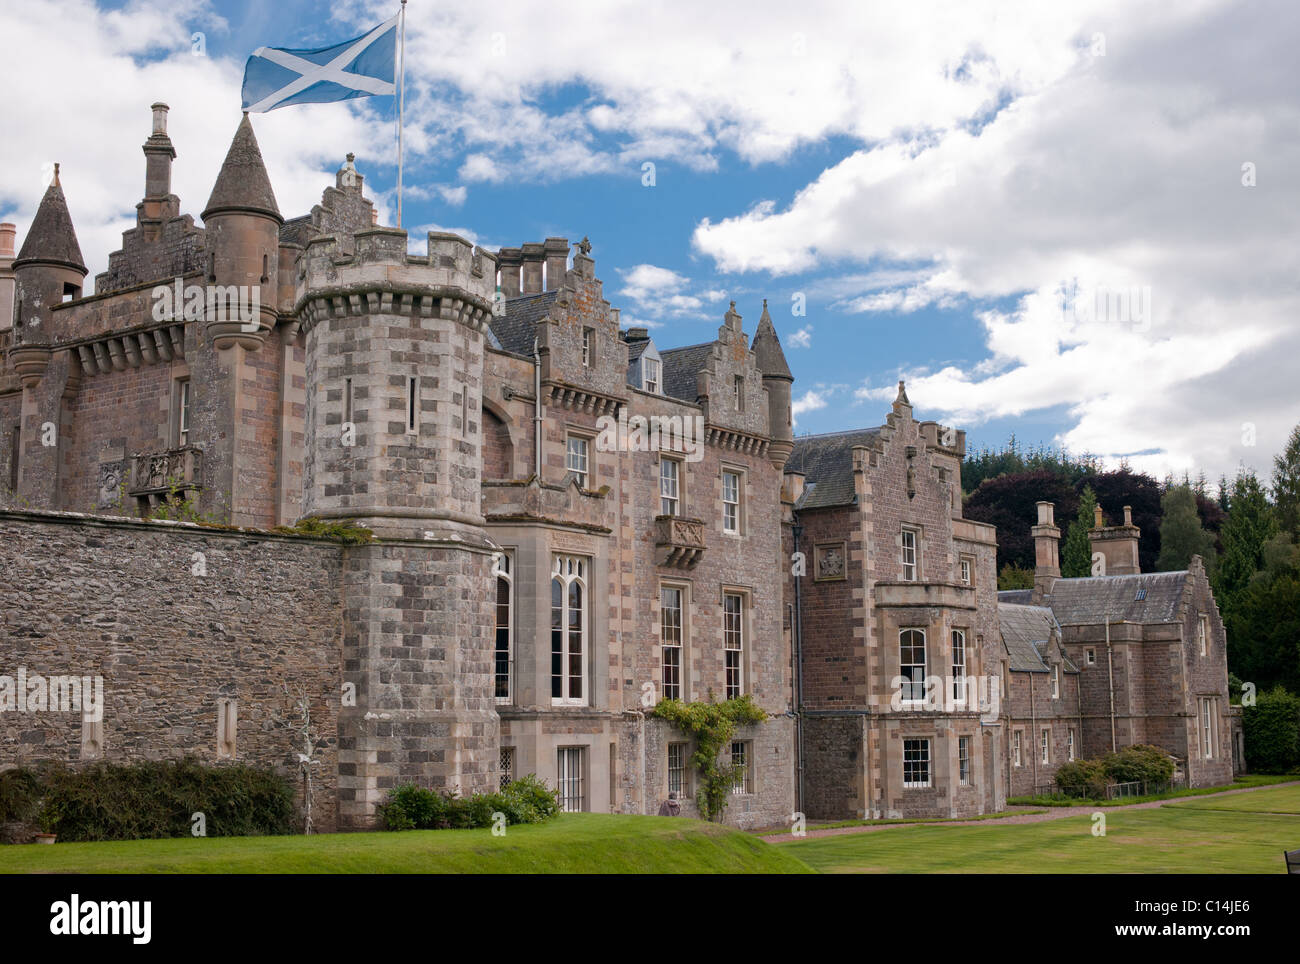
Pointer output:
x,y
569,630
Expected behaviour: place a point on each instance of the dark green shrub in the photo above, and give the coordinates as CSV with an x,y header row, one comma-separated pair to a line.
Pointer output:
x,y
1083,778
526,800
1272,731
1140,763
109,801
20,795
534,801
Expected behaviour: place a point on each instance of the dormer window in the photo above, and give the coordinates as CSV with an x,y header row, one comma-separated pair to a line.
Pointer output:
x,y
70,292
651,375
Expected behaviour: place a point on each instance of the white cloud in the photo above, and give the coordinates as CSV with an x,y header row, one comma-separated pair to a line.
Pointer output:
x,y
1122,172
801,338
810,401
80,83
663,292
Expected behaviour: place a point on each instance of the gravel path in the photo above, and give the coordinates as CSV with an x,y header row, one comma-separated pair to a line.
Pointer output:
x,y
1019,815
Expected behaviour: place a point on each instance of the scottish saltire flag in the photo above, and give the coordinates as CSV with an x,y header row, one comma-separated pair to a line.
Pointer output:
x,y
361,67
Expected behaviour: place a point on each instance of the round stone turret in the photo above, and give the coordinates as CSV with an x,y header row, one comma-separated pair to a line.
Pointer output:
x,y
394,347
242,228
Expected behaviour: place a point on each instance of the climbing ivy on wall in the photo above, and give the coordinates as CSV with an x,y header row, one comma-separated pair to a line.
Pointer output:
x,y
712,725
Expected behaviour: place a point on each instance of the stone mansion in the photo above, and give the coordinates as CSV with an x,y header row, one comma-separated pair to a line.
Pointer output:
x,y
538,579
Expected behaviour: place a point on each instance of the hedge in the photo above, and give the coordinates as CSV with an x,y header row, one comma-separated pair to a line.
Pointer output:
x,y
1272,731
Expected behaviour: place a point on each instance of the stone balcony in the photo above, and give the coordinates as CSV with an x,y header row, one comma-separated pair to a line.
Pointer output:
x,y
678,542
155,476
938,595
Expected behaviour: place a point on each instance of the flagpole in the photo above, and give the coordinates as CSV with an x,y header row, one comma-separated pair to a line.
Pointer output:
x,y
401,108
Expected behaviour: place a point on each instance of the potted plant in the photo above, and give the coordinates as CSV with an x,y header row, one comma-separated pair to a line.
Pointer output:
x,y
48,821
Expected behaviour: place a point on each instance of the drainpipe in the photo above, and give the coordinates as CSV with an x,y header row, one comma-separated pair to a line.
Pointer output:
x,y
797,636
1033,731
1110,668
537,413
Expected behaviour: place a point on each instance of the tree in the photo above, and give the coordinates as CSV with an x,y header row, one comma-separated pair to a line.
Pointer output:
x,y
1008,502
1181,535
1263,629
1140,491
1015,577
1250,524
1286,484
1076,554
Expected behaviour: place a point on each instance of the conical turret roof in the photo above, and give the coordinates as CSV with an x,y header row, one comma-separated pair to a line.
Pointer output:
x,y
242,184
767,349
51,238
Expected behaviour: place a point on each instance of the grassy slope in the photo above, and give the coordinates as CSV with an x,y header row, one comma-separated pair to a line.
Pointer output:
x,y
1176,838
573,843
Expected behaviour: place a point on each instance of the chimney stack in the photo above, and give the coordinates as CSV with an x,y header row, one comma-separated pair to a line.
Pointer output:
x,y
1047,543
557,261
510,259
534,258
1118,545
8,233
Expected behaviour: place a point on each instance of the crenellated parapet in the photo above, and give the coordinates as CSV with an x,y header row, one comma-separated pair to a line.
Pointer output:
x,y
455,281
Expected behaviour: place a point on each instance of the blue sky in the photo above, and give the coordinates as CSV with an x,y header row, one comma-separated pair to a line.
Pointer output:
x,y
930,180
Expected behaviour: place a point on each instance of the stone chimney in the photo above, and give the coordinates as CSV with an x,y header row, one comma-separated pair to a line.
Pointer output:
x,y
557,261
8,232
636,334
1047,543
509,260
1118,545
534,258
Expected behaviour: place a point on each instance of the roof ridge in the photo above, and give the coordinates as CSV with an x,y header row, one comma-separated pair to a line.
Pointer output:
x,y
847,431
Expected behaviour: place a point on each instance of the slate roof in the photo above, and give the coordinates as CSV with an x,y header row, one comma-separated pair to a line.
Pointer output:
x,y
1024,628
243,184
636,348
516,329
827,464
51,236
681,365
1020,597
1090,600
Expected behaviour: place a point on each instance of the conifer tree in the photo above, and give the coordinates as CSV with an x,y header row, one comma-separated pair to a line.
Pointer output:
x,y
1076,555
1286,484
1250,524
1181,533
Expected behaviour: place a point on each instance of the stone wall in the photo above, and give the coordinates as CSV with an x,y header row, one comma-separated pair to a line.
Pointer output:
x,y
123,599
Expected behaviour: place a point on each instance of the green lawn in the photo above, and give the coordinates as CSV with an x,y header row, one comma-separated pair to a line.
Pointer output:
x,y
1274,800
1187,837
572,843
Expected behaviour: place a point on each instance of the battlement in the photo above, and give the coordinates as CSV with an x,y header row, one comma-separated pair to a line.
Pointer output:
x,y
454,280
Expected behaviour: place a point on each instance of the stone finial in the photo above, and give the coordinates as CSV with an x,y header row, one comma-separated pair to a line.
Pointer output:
x,y
1096,517
585,245
902,394
55,182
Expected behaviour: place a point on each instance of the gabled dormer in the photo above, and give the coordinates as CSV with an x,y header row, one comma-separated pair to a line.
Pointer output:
x,y
645,369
